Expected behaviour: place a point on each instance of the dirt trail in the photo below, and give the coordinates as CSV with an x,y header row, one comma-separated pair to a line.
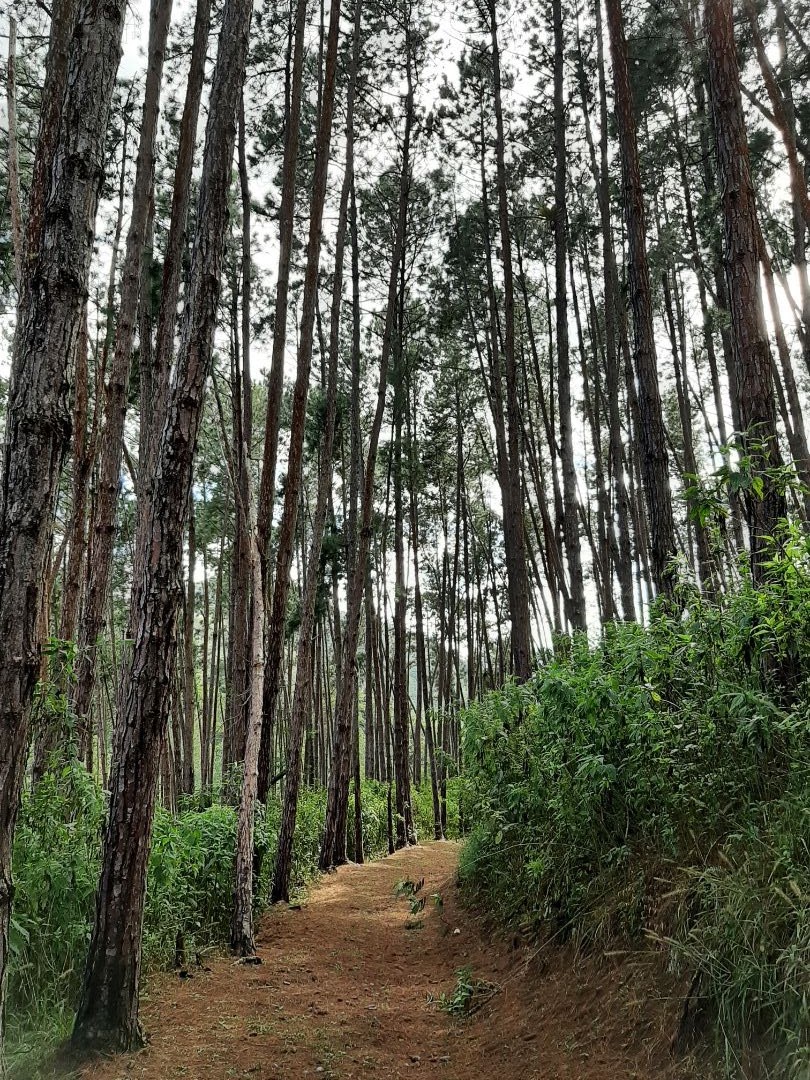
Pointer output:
x,y
343,991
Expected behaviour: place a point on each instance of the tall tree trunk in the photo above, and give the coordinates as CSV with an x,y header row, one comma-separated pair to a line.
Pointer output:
x,y
68,172
422,687
624,566
306,634
275,382
652,437
514,535
404,812
749,337
102,528
240,620
333,844
295,463
108,1011
573,554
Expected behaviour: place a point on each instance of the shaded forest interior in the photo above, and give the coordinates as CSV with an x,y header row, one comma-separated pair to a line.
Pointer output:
x,y
404,436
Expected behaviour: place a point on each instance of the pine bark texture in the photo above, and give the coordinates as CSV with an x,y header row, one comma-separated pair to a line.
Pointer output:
x,y
68,172
102,535
654,459
749,337
302,697
513,527
108,1012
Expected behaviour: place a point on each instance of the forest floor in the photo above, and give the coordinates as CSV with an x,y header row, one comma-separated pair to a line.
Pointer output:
x,y
348,987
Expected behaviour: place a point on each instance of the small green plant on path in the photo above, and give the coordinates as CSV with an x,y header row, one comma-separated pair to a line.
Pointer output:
x,y
467,996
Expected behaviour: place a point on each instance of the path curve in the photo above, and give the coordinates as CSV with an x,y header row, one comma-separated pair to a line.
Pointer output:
x,y
344,991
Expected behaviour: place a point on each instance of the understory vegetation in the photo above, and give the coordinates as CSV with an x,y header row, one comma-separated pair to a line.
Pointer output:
x,y
658,784
189,887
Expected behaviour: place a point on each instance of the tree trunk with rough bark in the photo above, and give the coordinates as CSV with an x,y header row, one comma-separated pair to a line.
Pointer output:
x,y
102,528
514,533
576,591
295,463
108,1012
275,382
302,697
749,336
652,436
68,171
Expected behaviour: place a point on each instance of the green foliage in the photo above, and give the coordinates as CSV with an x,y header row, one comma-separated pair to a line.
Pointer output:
x,y
467,996
374,805
56,857
410,890
422,802
660,782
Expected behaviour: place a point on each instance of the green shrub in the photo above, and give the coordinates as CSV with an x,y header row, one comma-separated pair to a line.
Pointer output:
x,y
669,760
57,849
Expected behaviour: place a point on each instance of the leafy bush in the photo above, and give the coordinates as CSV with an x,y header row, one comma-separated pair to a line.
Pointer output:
x,y
57,850
661,781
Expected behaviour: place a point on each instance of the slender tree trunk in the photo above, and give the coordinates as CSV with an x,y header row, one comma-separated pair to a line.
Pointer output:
x,y
295,463
333,844
275,383
422,688
242,938
624,563
704,558
303,686
48,736
115,394
239,620
573,554
189,689
154,380
514,536
749,336
652,437
404,813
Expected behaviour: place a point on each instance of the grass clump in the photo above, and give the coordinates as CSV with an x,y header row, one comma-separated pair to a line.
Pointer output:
x,y
659,782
